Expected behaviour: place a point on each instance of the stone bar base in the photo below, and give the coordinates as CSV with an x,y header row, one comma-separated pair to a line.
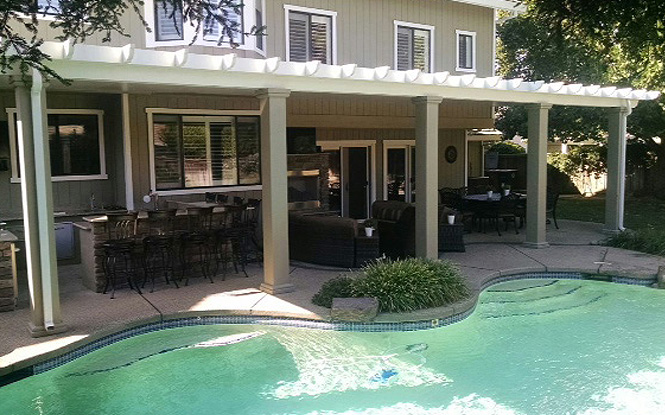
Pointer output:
x,y
7,277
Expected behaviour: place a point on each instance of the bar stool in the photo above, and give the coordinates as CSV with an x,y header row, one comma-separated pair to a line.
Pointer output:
x,y
121,254
159,247
230,239
195,244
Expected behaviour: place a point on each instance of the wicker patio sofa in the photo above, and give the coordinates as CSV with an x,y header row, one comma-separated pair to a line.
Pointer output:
x,y
329,240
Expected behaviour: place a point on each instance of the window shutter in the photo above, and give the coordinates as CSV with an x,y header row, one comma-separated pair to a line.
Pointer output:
x,y
167,21
48,6
421,50
403,48
321,44
223,150
166,145
211,27
298,35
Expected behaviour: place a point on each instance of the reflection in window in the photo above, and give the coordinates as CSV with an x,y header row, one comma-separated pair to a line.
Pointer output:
x,y
396,178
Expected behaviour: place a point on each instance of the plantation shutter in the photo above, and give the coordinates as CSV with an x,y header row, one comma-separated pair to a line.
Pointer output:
x,y
167,151
321,34
421,50
403,48
298,37
223,150
212,28
167,21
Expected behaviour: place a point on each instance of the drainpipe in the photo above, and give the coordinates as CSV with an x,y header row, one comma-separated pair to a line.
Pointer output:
x,y
45,206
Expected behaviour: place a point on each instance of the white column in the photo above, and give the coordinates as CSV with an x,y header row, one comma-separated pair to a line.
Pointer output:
x,y
427,176
127,151
616,169
274,202
536,175
37,204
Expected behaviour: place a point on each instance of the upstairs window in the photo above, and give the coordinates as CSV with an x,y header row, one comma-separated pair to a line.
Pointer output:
x,y
466,51
235,29
48,6
310,35
168,21
413,46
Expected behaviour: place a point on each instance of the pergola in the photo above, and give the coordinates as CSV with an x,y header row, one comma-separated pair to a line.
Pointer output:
x,y
271,80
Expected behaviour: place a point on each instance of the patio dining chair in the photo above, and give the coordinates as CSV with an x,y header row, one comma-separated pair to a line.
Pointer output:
x,y
550,205
196,244
159,247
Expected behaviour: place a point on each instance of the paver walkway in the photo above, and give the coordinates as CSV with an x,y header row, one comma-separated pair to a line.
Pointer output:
x,y
573,248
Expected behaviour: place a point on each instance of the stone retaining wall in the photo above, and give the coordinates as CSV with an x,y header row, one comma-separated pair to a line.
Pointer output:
x,y
7,300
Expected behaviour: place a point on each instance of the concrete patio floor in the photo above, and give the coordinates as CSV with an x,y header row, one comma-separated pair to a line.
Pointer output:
x,y
574,247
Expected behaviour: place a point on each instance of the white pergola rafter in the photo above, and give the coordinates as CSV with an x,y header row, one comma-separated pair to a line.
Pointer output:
x,y
127,64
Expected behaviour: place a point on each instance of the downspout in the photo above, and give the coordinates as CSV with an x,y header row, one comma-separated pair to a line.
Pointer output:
x,y
42,214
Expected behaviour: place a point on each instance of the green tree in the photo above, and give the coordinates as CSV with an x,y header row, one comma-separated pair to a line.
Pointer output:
x,y
609,42
21,32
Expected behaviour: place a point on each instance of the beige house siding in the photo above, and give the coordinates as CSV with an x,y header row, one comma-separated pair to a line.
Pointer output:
x,y
73,196
333,111
365,29
452,174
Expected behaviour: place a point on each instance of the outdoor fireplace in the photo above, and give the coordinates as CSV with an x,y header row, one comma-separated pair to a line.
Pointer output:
x,y
304,190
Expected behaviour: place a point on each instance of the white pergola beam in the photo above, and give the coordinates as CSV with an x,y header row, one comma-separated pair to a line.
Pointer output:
x,y
129,65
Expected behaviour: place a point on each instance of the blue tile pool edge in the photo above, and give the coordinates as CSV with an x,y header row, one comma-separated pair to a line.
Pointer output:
x,y
169,323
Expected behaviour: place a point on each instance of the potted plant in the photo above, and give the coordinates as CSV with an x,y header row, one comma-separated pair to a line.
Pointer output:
x,y
370,226
506,189
490,192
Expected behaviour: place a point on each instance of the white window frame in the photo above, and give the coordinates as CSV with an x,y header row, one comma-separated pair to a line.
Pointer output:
x,y
308,10
458,33
419,26
189,31
407,146
12,114
192,112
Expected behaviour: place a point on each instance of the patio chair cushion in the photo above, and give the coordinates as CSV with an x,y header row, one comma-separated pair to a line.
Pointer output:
x,y
397,227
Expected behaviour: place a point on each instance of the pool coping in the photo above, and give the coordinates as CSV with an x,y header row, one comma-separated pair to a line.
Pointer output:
x,y
428,319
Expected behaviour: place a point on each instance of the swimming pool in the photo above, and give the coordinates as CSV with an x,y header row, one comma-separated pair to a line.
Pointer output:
x,y
530,347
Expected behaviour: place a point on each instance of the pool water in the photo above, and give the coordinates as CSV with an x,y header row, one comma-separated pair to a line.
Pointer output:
x,y
530,347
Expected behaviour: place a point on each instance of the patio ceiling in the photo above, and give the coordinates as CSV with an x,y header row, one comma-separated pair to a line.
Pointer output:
x,y
127,66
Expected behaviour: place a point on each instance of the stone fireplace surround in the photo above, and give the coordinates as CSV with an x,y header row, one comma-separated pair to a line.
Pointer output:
x,y
313,161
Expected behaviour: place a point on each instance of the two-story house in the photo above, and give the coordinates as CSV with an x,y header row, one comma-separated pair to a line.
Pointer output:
x,y
378,97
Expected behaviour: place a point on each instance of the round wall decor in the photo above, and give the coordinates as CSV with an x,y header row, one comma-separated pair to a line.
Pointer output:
x,y
451,154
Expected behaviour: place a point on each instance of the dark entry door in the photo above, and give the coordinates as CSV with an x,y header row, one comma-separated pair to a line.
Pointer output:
x,y
357,182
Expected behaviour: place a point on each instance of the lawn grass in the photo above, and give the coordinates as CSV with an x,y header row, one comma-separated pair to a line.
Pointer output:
x,y
643,216
640,212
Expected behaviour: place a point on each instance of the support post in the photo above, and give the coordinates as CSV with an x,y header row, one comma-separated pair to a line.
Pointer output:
x,y
37,204
427,154
536,175
127,151
616,169
274,203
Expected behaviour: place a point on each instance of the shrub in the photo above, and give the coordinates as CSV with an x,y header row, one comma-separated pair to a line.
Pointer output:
x,y
339,287
506,147
650,241
402,285
410,284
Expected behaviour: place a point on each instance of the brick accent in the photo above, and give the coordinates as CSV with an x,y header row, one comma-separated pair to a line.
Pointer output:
x,y
7,301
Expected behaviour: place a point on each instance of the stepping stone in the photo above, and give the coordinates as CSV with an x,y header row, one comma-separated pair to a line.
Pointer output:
x,y
358,310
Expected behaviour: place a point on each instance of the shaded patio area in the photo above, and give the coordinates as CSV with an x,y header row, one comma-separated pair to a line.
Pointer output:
x,y
488,256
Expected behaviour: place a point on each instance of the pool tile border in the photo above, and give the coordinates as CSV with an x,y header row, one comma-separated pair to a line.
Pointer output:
x,y
176,322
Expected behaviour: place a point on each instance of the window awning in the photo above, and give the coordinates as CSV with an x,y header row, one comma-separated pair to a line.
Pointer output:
x,y
128,65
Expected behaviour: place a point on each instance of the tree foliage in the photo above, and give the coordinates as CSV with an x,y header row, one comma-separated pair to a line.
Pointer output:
x,y
22,30
609,42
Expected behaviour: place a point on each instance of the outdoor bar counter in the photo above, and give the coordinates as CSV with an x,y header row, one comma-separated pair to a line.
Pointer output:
x,y
93,233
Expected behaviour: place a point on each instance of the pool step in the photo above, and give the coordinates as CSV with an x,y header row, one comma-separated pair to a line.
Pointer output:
x,y
537,298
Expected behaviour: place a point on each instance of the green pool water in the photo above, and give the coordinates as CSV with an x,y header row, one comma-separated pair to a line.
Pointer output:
x,y
531,347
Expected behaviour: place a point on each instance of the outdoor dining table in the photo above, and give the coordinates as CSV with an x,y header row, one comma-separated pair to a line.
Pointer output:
x,y
481,204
